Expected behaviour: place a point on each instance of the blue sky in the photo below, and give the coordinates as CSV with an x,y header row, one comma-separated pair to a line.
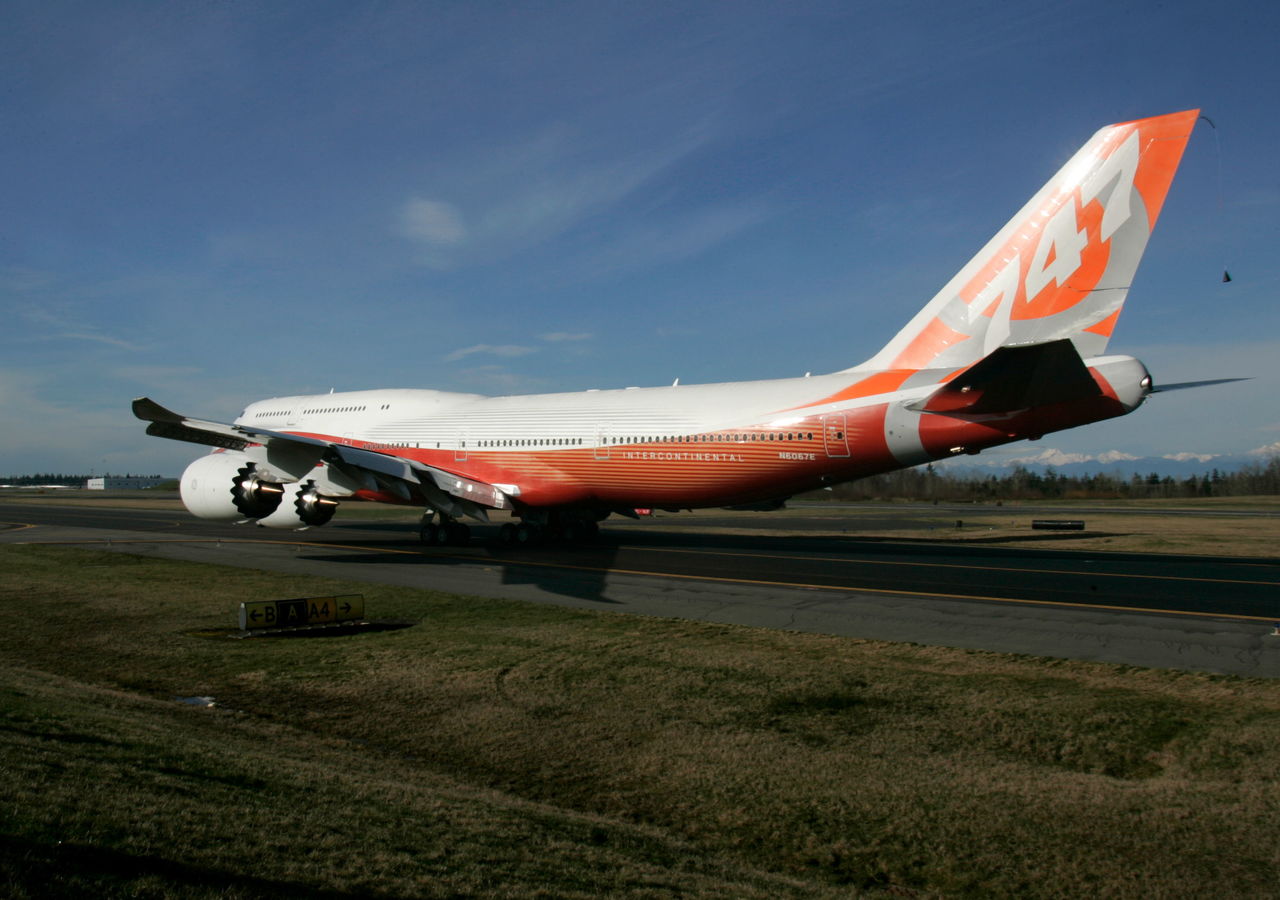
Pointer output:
x,y
212,203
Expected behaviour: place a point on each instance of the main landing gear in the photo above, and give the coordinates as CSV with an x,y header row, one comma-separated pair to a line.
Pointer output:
x,y
445,533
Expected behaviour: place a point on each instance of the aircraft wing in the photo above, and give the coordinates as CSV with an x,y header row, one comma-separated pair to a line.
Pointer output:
x,y
297,455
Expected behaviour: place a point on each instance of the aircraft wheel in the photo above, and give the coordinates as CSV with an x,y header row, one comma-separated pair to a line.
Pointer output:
x,y
527,535
458,535
507,535
429,534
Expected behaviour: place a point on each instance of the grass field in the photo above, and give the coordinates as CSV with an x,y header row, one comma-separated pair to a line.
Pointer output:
x,y
504,749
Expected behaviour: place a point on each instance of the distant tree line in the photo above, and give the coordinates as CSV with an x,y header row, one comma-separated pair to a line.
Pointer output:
x,y
51,478
928,483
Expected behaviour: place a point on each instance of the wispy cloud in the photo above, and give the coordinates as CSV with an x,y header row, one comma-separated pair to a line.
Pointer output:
x,y
505,350
496,378
432,222
58,326
531,191
93,337
154,374
679,236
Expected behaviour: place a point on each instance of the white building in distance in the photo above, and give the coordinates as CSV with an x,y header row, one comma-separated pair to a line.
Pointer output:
x,y
122,482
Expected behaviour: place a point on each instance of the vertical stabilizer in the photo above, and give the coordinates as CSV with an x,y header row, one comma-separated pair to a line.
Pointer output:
x,y
1062,267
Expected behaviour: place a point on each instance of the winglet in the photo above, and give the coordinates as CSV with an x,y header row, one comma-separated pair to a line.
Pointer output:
x,y
166,423
149,410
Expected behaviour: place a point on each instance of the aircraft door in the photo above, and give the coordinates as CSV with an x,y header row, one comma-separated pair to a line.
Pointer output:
x,y
602,442
835,436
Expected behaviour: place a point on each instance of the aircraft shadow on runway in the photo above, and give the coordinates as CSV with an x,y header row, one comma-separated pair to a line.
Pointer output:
x,y
578,572
584,572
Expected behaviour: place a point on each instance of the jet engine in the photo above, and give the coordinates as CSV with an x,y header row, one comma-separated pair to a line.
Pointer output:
x,y
301,506
230,487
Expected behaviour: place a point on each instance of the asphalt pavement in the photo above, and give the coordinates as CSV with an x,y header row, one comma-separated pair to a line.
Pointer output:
x,y
1193,612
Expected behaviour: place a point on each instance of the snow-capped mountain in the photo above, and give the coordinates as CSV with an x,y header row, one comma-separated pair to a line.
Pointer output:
x,y
1112,462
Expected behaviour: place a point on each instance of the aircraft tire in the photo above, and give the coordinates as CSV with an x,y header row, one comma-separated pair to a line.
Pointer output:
x,y
457,534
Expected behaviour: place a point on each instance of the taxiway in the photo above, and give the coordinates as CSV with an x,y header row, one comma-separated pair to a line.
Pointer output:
x,y
1196,612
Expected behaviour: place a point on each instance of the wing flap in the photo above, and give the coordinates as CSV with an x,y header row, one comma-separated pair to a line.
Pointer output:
x,y
468,488
178,432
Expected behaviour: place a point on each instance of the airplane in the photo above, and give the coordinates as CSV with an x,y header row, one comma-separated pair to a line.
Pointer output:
x,y
1012,348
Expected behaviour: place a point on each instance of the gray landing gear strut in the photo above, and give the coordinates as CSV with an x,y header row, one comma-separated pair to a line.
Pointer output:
x,y
447,532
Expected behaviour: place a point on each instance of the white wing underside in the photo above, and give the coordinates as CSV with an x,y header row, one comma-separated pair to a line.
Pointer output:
x,y
292,457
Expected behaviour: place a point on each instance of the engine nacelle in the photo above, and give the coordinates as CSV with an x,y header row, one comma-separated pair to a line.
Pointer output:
x,y
231,487
301,507
227,487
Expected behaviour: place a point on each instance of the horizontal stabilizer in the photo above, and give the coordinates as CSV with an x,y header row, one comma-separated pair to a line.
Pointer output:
x,y
1015,378
1183,385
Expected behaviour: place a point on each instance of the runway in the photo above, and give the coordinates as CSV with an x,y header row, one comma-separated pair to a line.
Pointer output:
x,y
1198,612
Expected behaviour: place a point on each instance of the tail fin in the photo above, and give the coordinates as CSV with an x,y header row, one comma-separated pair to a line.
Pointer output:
x,y
1062,266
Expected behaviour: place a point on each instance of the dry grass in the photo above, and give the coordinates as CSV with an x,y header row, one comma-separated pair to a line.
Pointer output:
x,y
506,749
